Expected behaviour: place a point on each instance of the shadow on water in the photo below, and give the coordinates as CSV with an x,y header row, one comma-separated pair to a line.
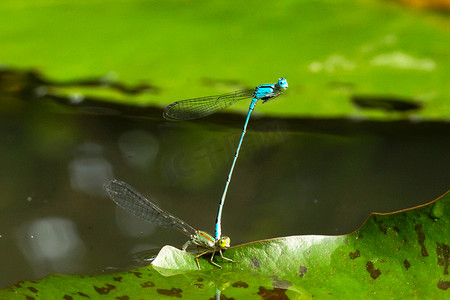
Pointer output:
x,y
293,177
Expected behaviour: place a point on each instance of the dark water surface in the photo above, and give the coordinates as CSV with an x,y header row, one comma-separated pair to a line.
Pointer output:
x,y
293,177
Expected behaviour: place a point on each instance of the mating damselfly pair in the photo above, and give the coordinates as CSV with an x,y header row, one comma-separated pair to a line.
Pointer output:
x,y
134,202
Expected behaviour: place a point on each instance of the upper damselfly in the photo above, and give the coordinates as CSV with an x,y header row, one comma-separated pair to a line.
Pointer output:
x,y
200,107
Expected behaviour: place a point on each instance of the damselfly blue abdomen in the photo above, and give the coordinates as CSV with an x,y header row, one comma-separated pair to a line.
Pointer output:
x,y
200,107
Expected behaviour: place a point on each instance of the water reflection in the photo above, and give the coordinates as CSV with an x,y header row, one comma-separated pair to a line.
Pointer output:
x,y
139,147
88,170
47,244
298,176
130,225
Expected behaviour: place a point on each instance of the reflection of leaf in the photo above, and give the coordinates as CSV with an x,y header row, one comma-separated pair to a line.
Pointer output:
x,y
398,254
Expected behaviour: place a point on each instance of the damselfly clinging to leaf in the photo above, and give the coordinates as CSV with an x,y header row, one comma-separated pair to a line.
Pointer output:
x,y
134,202
200,107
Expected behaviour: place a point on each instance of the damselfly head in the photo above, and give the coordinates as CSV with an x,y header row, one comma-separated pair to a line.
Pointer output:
x,y
224,242
282,83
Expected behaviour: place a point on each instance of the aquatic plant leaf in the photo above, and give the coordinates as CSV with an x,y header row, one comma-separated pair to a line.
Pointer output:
x,y
156,53
405,254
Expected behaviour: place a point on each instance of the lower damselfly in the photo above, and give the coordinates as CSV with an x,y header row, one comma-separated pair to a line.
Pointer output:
x,y
200,107
134,202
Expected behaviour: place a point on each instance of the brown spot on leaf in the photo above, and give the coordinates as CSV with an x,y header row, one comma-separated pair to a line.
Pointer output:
x,y
222,297
303,271
83,295
254,263
381,227
29,298
147,284
124,297
33,289
67,297
385,103
421,238
200,279
282,284
137,274
374,273
276,293
406,264
104,290
443,256
240,284
355,254
173,292
443,285
119,279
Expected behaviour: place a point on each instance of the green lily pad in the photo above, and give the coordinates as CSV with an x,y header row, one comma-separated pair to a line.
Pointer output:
x,y
331,52
404,254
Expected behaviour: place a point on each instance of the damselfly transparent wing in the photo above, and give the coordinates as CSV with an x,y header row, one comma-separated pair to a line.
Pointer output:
x,y
200,107
134,202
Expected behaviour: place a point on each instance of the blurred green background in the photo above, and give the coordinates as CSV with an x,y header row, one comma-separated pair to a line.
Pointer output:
x,y
329,51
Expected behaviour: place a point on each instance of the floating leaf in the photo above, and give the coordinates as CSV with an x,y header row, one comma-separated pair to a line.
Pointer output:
x,y
329,51
403,254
